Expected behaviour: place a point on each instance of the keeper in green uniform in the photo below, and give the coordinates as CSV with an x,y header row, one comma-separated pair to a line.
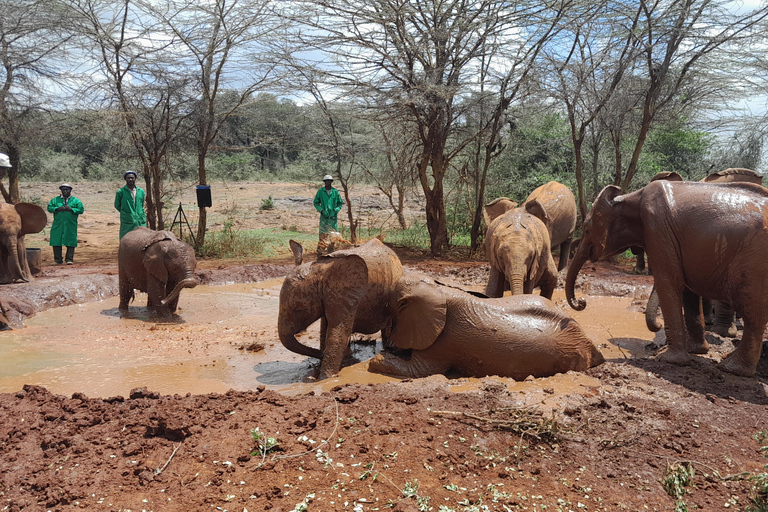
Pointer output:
x,y
65,209
328,202
129,201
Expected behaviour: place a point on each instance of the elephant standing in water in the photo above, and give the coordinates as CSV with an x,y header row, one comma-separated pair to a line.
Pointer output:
x,y
450,330
347,290
158,263
704,239
559,206
16,221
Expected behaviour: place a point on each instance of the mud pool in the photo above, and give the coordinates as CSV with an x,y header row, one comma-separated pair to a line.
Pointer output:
x,y
225,337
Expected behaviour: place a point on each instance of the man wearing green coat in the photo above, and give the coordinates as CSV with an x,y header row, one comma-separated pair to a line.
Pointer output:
x,y
129,201
328,202
65,209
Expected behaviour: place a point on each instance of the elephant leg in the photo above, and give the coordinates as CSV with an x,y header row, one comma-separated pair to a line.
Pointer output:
x,y
743,361
694,323
548,282
724,320
126,293
495,286
670,291
336,342
565,250
639,253
323,332
709,311
420,365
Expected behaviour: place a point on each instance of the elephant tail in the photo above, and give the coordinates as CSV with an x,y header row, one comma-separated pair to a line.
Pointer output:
x,y
188,282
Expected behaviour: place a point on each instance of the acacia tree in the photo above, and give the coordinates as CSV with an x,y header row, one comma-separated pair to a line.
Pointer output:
x,y
224,44
417,62
34,35
677,40
136,74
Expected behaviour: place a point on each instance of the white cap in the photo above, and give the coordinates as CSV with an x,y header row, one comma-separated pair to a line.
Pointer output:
x,y
4,160
65,185
327,177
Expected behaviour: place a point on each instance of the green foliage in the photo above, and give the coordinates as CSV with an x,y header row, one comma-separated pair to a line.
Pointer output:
x,y
675,148
759,491
231,243
264,444
267,204
677,477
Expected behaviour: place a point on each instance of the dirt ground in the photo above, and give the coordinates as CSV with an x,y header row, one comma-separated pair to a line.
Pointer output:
x,y
626,438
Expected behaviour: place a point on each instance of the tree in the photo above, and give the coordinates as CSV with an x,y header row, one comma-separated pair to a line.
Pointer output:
x,y
678,39
33,39
417,63
225,43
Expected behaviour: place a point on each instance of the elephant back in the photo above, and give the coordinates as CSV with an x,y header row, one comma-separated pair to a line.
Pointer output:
x,y
559,203
735,174
33,218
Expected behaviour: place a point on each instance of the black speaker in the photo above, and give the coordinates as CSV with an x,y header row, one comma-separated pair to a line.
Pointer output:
x,y
204,196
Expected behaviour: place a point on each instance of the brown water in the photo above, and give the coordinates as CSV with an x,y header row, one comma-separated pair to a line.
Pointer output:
x,y
90,348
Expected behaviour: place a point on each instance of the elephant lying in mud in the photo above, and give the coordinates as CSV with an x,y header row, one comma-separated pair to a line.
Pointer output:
x,y
451,330
558,206
705,239
347,290
158,263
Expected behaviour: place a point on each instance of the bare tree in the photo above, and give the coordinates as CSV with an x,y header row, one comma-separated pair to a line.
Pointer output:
x,y
677,40
33,40
225,45
136,73
418,61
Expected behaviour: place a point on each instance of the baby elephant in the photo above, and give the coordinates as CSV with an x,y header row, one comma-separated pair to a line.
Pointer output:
x,y
450,330
158,263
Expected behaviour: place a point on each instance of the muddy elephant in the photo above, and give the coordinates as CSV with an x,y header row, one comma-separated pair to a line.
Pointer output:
x,y
451,330
707,239
158,263
718,316
559,205
518,250
16,221
347,290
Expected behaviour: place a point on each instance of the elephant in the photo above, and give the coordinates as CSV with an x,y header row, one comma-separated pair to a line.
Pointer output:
x,y
16,221
518,249
558,203
719,315
704,239
347,290
158,263
451,330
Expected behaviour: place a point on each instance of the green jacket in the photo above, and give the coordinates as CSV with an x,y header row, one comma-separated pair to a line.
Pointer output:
x,y
329,205
131,214
64,227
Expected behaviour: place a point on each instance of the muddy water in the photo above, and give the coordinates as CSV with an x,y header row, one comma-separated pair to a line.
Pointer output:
x,y
225,337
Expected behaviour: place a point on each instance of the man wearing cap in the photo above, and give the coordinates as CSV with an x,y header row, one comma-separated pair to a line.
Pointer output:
x,y
129,201
5,164
328,202
65,209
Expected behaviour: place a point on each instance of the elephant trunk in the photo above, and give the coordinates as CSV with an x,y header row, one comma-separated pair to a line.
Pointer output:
x,y
187,282
652,312
582,254
517,283
286,331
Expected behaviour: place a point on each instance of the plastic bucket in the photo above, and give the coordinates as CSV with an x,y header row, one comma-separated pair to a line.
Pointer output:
x,y
35,259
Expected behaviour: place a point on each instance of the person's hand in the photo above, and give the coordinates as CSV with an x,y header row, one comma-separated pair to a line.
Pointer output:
x,y
59,209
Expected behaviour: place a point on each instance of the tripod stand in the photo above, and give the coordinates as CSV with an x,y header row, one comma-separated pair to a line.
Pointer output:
x,y
181,218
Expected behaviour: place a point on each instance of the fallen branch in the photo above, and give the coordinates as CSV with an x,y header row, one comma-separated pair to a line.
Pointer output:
x,y
527,422
160,470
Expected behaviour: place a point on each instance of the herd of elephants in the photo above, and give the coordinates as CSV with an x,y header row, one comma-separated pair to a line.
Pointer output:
x,y
706,244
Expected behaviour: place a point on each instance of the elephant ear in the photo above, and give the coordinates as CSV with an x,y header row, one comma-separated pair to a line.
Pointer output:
x,y
345,283
535,208
33,218
608,194
154,257
497,208
297,250
420,317
667,176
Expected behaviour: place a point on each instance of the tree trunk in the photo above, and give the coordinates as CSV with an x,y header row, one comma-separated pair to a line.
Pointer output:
x,y
200,239
14,155
436,223
151,219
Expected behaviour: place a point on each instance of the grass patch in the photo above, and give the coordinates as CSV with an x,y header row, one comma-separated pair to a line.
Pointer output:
x,y
254,243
